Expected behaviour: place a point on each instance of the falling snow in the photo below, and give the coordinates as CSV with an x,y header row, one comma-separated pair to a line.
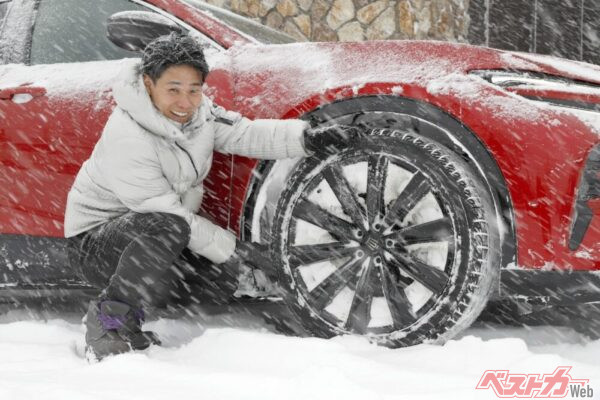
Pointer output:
x,y
235,352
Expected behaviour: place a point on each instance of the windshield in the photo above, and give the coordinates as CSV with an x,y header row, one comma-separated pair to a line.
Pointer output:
x,y
253,29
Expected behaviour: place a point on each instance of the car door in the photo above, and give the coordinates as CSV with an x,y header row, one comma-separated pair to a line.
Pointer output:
x,y
55,109
54,101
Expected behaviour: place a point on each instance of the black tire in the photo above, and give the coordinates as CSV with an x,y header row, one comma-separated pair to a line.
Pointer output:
x,y
355,265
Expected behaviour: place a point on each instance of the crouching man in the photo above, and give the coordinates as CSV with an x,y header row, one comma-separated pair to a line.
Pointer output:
x,y
132,209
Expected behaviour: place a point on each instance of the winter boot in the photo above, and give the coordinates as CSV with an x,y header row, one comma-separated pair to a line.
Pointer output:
x,y
114,328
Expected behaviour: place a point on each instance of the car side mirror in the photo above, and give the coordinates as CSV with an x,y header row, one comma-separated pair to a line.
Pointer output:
x,y
133,30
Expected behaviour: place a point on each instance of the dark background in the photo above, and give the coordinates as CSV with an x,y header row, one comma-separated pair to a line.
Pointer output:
x,y
564,28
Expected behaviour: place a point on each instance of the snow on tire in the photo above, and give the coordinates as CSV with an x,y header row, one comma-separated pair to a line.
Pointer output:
x,y
388,239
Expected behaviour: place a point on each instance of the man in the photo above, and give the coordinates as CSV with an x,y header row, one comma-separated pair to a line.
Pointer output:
x,y
132,209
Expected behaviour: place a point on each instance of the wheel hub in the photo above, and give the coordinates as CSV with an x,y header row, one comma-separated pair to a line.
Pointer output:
x,y
372,244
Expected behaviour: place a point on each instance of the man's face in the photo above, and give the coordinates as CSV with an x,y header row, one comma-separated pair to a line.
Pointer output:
x,y
177,93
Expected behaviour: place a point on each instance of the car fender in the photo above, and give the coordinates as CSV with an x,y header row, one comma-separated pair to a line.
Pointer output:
x,y
270,176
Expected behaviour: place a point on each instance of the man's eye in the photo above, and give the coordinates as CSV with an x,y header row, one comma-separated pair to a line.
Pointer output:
x,y
173,90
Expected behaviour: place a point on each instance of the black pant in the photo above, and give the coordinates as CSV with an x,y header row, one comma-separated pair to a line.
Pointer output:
x,y
141,259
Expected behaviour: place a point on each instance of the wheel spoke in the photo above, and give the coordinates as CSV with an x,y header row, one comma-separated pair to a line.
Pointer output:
x,y
438,230
427,275
397,301
415,190
345,194
360,310
324,292
378,166
312,253
314,214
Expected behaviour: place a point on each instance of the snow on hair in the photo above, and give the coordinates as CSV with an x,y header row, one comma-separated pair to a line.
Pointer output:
x,y
172,49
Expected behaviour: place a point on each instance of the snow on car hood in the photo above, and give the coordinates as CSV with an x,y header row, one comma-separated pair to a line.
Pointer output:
x,y
311,67
272,80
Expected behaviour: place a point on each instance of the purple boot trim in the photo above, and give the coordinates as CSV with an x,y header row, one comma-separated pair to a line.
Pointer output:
x,y
118,315
110,322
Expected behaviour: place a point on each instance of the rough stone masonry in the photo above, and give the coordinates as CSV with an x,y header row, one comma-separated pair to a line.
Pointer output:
x,y
356,20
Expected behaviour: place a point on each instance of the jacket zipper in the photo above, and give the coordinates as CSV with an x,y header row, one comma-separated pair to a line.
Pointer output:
x,y
191,160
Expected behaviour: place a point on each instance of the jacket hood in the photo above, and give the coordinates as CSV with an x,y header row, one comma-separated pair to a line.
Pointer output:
x,y
132,97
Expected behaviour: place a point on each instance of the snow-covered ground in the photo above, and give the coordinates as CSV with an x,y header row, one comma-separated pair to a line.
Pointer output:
x,y
237,356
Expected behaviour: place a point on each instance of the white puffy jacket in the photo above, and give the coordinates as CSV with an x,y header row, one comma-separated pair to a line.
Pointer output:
x,y
145,162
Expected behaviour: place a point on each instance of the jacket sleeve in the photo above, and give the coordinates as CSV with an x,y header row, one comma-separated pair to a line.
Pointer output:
x,y
261,138
134,175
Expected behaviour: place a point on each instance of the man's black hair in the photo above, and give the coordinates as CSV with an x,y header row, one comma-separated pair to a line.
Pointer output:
x,y
172,49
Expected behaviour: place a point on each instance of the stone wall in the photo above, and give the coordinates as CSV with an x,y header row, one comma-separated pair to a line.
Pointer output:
x,y
356,20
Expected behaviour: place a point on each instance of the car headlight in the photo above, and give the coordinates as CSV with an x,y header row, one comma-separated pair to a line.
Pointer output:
x,y
588,198
546,88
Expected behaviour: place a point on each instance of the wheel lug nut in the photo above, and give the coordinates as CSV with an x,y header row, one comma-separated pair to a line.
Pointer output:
x,y
359,234
360,254
389,243
378,260
376,227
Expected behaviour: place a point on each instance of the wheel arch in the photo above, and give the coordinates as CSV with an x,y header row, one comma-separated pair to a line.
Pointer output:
x,y
454,135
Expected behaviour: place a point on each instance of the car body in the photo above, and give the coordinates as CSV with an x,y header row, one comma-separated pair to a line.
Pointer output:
x,y
527,127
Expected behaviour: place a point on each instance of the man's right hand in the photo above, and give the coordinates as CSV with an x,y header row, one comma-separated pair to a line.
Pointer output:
x,y
330,139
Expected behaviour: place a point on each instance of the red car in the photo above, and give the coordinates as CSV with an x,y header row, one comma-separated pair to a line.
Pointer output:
x,y
477,175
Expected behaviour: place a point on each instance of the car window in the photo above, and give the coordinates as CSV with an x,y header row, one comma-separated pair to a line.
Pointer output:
x,y
75,30
4,4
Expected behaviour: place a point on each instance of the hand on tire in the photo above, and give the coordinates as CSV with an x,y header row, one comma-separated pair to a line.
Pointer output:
x,y
330,139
